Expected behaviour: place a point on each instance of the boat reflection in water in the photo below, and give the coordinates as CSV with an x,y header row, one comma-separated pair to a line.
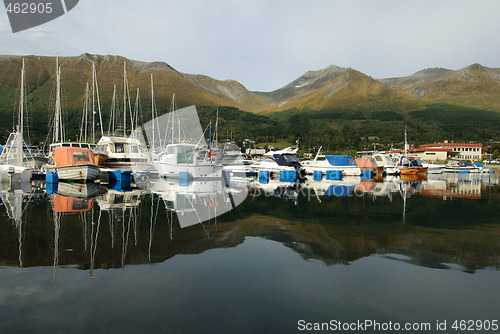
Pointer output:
x,y
269,187
16,197
198,201
322,238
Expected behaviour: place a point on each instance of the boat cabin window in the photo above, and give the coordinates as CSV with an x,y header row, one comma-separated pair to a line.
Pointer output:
x,y
80,156
170,150
134,149
119,148
66,145
185,155
378,158
321,158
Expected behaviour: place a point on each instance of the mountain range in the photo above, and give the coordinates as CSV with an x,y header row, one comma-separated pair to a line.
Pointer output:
x,y
475,86
327,90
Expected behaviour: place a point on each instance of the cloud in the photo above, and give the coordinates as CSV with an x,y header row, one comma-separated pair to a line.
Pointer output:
x,y
266,44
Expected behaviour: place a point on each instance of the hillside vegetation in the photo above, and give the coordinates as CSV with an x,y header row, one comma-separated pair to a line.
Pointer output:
x,y
339,108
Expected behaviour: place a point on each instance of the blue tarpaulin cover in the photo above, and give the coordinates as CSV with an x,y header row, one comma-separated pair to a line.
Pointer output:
x,y
340,160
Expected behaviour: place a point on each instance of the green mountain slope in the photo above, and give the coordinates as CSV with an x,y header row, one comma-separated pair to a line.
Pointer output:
x,y
335,106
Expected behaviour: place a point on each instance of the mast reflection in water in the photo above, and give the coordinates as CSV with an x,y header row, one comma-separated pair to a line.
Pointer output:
x,y
201,257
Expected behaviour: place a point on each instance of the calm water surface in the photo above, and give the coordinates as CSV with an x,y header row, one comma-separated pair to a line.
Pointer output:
x,y
399,251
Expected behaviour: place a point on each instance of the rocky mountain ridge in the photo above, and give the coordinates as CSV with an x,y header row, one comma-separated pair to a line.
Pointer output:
x,y
326,89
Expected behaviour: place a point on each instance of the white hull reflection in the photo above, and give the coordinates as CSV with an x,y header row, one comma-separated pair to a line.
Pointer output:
x,y
198,201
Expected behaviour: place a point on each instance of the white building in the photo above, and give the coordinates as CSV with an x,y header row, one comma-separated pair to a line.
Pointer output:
x,y
463,151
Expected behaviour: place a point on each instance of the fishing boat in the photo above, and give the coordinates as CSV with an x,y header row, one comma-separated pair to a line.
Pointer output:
x,y
71,163
370,164
328,162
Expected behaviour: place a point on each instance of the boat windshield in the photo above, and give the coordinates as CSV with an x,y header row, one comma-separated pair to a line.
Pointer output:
x,y
80,156
290,157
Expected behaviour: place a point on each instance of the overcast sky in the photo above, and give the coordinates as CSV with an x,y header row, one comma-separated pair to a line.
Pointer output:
x,y
265,44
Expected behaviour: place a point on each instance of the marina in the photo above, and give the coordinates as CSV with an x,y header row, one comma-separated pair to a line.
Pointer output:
x,y
137,230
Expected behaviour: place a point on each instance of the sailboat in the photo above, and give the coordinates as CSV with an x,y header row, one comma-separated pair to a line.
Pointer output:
x,y
12,158
124,153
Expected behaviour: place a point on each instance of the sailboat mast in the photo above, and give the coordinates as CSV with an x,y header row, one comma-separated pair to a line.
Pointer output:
x,y
93,102
124,99
57,118
216,135
406,144
83,129
20,124
153,114
172,110
20,120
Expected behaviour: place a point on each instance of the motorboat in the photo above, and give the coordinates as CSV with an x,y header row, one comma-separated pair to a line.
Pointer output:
x,y
324,163
281,160
461,167
124,153
384,160
411,166
187,158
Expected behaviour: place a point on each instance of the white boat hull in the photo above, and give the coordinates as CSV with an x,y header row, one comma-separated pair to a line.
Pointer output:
x,y
461,169
346,170
77,172
9,173
208,170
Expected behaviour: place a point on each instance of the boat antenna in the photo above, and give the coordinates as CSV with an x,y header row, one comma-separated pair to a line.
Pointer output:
x,y
317,154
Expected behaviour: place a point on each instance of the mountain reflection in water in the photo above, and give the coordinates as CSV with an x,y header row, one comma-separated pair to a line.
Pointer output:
x,y
442,222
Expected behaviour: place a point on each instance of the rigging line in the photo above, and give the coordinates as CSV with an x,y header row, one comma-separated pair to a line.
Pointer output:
x,y
98,104
111,227
95,242
83,217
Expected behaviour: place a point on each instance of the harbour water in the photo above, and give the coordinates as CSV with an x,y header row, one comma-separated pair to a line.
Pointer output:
x,y
311,257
